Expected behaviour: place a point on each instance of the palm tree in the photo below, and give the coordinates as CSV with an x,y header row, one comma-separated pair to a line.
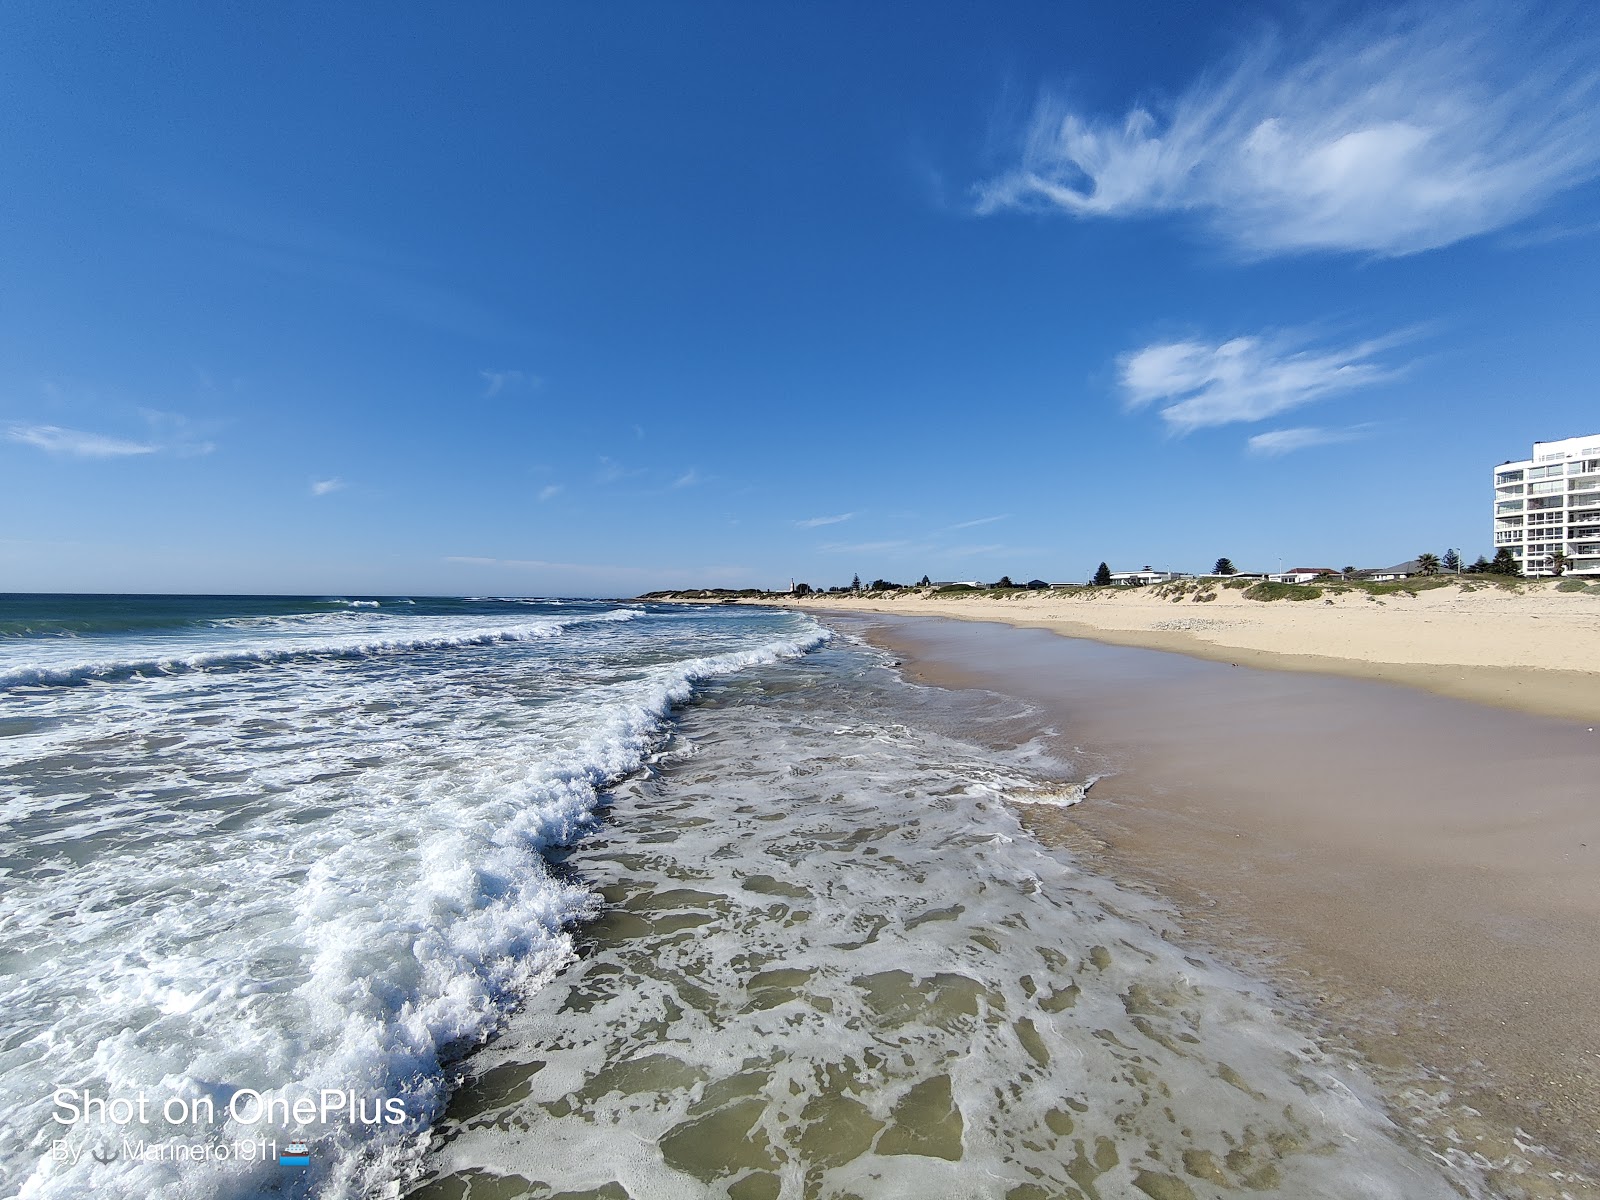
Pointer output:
x,y
1428,564
1558,562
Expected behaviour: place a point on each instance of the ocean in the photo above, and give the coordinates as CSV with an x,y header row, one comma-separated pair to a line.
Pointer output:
x,y
491,898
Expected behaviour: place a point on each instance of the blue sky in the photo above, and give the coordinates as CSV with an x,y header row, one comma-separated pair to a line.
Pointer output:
x,y
599,298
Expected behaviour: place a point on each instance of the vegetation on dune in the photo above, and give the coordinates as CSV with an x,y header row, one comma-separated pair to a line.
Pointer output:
x,y
1282,591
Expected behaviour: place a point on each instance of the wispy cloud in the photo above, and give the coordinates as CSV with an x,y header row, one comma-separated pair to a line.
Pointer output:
x,y
688,479
324,487
1245,379
549,491
1403,134
979,521
612,471
818,522
495,382
178,434
77,443
1286,441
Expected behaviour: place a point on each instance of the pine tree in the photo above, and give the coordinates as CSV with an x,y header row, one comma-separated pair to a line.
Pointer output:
x,y
1102,575
1451,561
1224,567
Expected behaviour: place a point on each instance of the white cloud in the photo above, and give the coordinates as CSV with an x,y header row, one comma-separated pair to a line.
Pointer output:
x,y
1286,441
688,479
612,471
549,491
1404,134
496,382
55,440
817,522
322,487
177,434
1245,379
979,521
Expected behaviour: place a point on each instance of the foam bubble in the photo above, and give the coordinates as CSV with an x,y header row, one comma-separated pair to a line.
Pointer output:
x,y
328,872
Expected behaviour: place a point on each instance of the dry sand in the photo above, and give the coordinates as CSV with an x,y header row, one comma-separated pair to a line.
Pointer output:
x,y
1528,647
1425,872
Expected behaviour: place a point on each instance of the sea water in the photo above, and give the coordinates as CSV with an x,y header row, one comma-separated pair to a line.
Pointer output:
x,y
534,898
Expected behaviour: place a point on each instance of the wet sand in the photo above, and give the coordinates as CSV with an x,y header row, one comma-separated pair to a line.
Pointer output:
x,y
1524,646
1425,870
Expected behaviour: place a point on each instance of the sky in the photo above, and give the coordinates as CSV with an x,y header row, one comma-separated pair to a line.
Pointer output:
x,y
596,299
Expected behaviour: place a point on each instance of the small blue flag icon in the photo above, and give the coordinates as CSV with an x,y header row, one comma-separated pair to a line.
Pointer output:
x,y
295,1154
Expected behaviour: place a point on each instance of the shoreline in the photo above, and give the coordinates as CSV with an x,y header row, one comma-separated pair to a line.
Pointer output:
x,y
1510,647
1451,938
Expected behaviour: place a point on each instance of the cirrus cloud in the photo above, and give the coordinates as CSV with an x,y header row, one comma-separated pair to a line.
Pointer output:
x,y
1403,134
1286,441
1243,379
77,443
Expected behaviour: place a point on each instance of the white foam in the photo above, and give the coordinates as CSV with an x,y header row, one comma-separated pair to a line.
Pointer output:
x,y
277,640
816,916
329,873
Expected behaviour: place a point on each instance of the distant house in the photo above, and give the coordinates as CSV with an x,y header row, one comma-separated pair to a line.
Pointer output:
x,y
1142,577
1305,575
1403,570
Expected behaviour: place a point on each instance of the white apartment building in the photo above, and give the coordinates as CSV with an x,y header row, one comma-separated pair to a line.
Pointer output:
x,y
1550,503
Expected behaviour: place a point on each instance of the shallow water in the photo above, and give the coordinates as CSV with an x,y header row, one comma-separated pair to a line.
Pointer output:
x,y
832,963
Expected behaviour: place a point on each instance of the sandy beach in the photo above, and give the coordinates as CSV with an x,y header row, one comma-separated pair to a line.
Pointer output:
x,y
1421,871
1527,646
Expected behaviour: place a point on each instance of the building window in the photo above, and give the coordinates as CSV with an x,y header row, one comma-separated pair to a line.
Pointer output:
x,y
1509,477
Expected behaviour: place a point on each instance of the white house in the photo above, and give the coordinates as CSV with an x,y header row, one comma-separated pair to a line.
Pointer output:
x,y
1550,504
1139,578
1304,575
